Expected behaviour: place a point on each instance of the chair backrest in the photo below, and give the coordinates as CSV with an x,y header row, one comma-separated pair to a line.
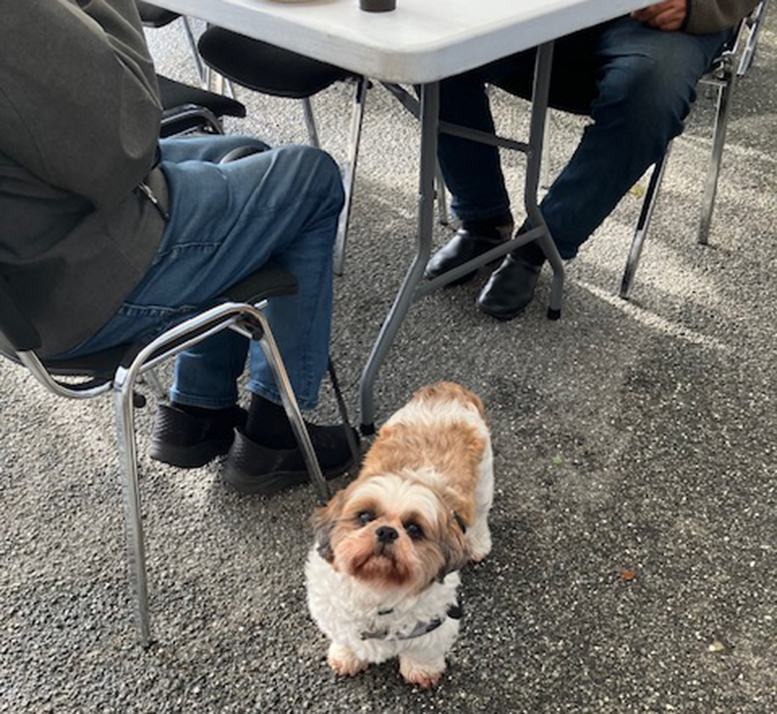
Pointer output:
x,y
153,16
188,108
754,24
266,68
733,57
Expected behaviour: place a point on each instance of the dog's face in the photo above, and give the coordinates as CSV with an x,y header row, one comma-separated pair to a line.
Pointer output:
x,y
390,532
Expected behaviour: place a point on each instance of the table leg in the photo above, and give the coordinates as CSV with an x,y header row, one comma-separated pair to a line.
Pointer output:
x,y
539,110
412,289
430,111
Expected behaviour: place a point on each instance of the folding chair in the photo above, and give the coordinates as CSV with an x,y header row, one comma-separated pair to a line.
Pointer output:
x,y
722,77
118,370
268,69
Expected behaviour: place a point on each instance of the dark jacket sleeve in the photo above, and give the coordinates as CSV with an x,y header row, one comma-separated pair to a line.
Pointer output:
x,y
714,15
79,103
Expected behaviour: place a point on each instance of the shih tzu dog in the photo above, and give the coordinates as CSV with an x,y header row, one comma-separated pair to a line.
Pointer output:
x,y
382,574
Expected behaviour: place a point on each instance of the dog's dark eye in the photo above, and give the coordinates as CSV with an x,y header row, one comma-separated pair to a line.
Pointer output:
x,y
414,531
365,517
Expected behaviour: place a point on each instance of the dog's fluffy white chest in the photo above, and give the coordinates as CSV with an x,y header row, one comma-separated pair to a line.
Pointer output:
x,y
373,626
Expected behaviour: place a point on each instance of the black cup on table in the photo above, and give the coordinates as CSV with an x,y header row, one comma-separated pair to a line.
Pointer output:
x,y
377,5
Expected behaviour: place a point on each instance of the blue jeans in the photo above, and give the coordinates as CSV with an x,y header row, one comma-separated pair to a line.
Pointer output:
x,y
642,85
226,221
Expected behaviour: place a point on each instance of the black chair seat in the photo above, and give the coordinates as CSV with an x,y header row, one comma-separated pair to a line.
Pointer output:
x,y
572,93
187,109
271,280
153,16
573,78
266,68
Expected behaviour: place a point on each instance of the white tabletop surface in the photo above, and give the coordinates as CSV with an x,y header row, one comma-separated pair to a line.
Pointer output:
x,y
420,41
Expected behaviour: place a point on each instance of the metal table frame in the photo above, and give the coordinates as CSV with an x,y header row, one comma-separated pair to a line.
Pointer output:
x,y
414,287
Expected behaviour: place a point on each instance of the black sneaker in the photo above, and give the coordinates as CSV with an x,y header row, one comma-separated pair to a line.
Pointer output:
x,y
187,441
253,468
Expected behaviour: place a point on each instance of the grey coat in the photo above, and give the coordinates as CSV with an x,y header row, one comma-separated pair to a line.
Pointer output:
x,y
79,121
714,15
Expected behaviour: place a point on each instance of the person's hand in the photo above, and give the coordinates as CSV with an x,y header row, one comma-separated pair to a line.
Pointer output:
x,y
667,16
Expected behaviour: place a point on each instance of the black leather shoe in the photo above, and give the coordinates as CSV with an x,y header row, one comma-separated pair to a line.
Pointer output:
x,y
510,288
253,468
188,441
464,246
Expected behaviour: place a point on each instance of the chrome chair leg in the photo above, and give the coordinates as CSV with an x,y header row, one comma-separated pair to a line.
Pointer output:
x,y
246,319
198,63
136,554
173,341
349,173
755,23
152,379
310,122
646,213
725,93
270,349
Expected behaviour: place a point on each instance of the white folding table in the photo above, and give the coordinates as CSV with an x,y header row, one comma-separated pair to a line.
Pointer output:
x,y
419,43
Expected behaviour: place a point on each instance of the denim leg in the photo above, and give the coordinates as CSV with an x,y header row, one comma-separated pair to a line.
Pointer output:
x,y
471,170
204,148
646,86
292,210
646,83
225,222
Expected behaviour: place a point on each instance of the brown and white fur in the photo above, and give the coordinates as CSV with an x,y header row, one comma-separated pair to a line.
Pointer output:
x,y
388,547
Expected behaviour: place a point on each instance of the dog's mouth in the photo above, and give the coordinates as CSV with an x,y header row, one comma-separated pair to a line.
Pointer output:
x,y
379,555
384,550
381,565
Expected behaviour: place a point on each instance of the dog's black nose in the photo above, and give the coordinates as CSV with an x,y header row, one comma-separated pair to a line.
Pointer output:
x,y
386,534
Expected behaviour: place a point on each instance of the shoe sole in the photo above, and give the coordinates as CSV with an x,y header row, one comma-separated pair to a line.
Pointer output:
x,y
189,457
267,484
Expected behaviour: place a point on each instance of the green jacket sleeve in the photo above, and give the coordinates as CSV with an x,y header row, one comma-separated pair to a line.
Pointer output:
x,y
714,15
79,103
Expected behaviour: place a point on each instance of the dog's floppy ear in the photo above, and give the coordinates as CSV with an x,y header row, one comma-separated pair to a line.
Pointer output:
x,y
324,520
453,545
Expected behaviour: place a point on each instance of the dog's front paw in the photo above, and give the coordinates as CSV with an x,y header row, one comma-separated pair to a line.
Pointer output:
x,y
422,674
479,542
343,661
479,555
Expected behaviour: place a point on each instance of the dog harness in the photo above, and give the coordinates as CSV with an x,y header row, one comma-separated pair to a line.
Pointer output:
x,y
421,628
